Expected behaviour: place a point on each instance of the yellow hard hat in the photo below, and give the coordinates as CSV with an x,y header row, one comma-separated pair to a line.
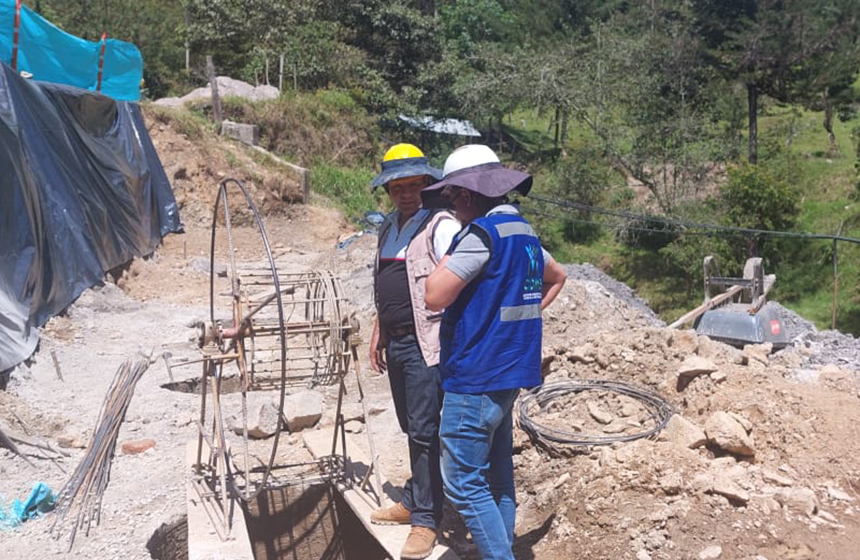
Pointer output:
x,y
402,151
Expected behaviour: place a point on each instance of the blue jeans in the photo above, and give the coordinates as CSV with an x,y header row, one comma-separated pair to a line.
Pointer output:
x,y
417,393
478,467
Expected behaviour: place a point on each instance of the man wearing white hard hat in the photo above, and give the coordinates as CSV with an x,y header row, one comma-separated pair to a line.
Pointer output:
x,y
493,283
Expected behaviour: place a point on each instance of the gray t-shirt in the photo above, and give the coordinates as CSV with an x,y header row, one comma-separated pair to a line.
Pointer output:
x,y
473,252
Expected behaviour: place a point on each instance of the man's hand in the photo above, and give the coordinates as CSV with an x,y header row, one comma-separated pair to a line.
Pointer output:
x,y
377,352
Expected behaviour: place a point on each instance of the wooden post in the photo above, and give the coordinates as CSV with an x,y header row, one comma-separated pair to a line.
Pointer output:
x,y
295,77
281,73
835,285
213,83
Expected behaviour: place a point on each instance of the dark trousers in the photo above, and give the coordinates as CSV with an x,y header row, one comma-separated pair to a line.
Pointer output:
x,y
417,393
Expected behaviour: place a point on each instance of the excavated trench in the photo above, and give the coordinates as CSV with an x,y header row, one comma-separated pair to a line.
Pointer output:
x,y
311,522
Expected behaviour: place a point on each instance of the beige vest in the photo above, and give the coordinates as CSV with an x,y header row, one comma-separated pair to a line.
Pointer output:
x,y
420,262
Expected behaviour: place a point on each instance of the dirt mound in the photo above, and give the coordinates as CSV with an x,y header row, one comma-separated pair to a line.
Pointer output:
x,y
196,160
787,481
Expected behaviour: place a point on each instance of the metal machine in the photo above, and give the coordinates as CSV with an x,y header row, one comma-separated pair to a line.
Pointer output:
x,y
734,309
267,330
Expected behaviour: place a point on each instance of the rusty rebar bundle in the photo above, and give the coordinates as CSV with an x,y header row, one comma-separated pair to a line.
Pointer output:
x,y
82,494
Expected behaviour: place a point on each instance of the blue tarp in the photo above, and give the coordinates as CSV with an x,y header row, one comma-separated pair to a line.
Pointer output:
x,y
82,191
52,55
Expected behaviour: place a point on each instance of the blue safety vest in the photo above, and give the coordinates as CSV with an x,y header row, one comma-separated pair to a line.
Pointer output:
x,y
491,335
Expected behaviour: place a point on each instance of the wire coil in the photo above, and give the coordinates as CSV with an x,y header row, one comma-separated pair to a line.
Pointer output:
x,y
659,410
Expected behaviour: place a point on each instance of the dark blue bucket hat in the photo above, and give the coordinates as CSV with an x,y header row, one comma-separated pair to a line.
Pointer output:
x,y
403,168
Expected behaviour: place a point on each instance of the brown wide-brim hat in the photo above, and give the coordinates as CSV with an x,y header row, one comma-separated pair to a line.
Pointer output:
x,y
492,180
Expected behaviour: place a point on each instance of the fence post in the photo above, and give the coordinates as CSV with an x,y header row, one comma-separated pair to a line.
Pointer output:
x,y
213,83
835,285
281,73
15,35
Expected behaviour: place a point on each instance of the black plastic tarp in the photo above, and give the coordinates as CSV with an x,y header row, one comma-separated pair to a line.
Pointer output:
x,y
82,191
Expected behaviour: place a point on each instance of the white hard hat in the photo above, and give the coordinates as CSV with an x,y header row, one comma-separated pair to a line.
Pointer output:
x,y
467,156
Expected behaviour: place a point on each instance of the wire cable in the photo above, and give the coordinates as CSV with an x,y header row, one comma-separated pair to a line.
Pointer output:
x,y
539,398
570,205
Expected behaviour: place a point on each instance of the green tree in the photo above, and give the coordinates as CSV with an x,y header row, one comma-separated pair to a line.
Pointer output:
x,y
766,44
754,198
637,83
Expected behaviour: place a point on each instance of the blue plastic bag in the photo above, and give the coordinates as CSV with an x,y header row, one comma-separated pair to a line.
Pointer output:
x,y
40,501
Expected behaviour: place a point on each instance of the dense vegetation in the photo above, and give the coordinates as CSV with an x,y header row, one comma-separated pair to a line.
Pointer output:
x,y
730,112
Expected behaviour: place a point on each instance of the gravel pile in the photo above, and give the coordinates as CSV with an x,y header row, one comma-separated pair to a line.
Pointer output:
x,y
619,290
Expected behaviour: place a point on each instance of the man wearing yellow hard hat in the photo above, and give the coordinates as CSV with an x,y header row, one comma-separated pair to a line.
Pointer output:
x,y
405,340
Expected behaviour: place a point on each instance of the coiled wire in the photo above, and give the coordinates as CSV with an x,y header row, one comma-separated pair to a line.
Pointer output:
x,y
539,398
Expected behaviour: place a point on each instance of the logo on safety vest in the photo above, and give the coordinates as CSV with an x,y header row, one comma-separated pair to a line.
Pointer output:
x,y
534,279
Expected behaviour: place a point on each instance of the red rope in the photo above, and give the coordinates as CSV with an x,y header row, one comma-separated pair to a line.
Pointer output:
x,y
101,62
15,35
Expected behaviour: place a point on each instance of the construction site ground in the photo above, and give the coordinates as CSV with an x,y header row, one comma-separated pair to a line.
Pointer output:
x,y
787,487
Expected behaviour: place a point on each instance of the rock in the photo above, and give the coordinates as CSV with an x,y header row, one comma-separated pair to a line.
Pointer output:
x,y
718,376
684,343
203,264
757,353
71,442
302,410
775,478
262,420
800,499
671,483
725,486
615,427
694,366
709,348
246,133
598,413
837,494
630,409
827,516
747,425
136,447
353,426
642,554
581,354
728,434
683,433
711,553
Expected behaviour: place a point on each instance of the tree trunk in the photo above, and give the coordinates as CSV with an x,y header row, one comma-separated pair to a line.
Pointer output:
x,y
564,134
752,102
828,125
556,123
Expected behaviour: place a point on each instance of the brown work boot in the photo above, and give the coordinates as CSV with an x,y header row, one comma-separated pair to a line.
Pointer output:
x,y
394,515
419,544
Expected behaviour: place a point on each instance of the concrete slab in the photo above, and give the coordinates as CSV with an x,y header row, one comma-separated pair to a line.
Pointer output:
x,y
203,540
391,537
